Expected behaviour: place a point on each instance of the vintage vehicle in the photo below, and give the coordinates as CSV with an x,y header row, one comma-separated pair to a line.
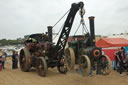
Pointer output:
x,y
40,52
87,56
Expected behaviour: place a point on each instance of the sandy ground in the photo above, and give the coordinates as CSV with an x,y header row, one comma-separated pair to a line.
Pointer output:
x,y
17,77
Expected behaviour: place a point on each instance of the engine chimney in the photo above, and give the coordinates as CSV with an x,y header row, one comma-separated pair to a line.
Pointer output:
x,y
50,33
92,30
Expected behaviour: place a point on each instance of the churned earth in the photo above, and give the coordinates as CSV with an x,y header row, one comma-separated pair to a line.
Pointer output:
x,y
9,76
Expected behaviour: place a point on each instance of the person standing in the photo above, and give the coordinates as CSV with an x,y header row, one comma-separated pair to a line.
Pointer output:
x,y
16,61
13,60
126,55
3,60
116,59
120,58
0,59
0,63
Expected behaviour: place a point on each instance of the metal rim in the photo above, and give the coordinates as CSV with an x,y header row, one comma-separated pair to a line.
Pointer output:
x,y
41,66
84,65
24,60
106,65
62,68
70,58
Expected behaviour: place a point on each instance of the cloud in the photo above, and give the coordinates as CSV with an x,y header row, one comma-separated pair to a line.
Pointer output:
x,y
22,17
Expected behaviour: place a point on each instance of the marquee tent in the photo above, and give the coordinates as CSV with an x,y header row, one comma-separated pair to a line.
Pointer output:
x,y
111,42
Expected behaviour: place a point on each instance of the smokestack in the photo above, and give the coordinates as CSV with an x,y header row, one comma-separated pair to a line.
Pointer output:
x,y
92,29
50,33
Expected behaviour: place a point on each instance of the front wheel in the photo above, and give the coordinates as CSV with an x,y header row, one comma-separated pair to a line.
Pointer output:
x,y
25,60
42,66
105,65
84,65
70,58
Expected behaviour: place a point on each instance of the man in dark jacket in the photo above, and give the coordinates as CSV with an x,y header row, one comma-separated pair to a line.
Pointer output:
x,y
120,58
16,58
13,60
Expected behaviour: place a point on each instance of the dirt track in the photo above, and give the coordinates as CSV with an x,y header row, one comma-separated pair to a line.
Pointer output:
x,y
17,77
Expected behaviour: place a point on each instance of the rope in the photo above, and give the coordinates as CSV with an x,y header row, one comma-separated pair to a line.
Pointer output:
x,y
77,29
58,32
60,19
85,27
83,24
61,26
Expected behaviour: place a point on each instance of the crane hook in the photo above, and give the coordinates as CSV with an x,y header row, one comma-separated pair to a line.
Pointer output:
x,y
82,12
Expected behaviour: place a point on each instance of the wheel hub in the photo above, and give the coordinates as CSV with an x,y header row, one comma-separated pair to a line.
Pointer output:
x,y
40,66
23,59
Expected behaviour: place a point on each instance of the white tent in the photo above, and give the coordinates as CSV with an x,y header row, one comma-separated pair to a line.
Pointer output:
x,y
125,36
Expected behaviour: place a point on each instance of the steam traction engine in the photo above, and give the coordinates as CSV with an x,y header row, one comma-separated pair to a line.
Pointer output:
x,y
83,53
41,53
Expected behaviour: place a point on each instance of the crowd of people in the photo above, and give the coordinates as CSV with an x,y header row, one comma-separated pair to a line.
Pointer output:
x,y
121,60
15,60
3,59
3,56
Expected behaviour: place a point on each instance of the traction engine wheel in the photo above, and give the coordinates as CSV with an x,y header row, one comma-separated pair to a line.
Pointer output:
x,y
41,66
106,65
62,68
84,65
70,58
24,60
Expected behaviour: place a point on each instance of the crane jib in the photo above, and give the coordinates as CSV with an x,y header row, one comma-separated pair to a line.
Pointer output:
x,y
60,46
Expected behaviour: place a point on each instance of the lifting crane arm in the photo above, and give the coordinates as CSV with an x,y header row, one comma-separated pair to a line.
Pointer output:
x,y
60,46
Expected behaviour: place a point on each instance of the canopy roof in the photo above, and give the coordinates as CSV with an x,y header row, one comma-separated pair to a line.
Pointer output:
x,y
111,42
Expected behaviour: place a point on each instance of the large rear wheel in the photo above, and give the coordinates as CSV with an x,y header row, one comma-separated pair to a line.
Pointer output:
x,y
70,58
42,66
84,65
24,60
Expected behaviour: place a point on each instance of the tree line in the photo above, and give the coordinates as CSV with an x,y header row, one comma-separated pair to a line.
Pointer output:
x,y
10,42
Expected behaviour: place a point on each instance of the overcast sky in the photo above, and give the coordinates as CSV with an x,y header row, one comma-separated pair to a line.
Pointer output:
x,y
23,17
